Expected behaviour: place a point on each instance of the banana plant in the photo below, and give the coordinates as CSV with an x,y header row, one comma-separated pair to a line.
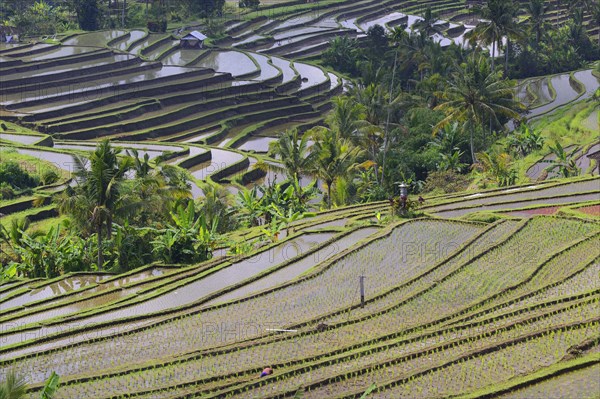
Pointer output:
x,y
250,206
564,161
368,391
285,218
50,386
188,239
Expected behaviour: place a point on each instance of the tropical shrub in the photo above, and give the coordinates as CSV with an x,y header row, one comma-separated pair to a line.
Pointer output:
x,y
524,141
564,162
343,54
447,181
494,168
187,239
130,247
6,191
13,386
13,175
51,254
42,18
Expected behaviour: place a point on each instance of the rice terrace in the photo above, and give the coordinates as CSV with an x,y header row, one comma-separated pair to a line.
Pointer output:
x,y
299,199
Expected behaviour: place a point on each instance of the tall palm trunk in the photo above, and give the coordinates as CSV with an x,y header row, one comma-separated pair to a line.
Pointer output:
x,y
329,183
109,220
100,253
493,54
506,56
387,124
472,142
123,13
473,149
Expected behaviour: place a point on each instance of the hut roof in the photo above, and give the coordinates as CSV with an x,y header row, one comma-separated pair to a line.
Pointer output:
x,y
194,35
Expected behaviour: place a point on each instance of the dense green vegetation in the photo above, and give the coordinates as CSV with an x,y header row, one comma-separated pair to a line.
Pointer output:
x,y
52,17
127,222
431,116
20,174
13,177
175,221
418,113
407,83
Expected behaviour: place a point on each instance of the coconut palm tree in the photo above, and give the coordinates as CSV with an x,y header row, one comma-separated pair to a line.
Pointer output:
x,y
336,157
595,10
155,189
398,34
383,112
97,196
414,53
294,153
537,21
343,52
372,100
13,387
346,117
215,206
498,21
512,31
586,5
427,25
370,134
476,96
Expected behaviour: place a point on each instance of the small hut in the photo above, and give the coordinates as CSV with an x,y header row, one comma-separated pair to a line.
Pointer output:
x,y
596,157
193,39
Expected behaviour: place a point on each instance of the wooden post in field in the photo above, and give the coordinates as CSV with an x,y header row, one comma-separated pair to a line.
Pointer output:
x,y
361,280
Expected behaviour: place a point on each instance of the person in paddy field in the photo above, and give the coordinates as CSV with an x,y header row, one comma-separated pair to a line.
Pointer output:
x,y
267,371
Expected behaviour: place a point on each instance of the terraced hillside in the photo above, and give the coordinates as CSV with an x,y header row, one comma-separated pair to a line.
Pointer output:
x,y
546,94
206,97
137,86
493,293
506,301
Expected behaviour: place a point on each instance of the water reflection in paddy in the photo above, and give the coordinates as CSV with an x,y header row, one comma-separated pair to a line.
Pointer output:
x,y
98,39
181,57
233,62
101,300
59,92
134,36
220,160
288,73
257,144
311,75
20,138
60,287
62,161
62,51
565,92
